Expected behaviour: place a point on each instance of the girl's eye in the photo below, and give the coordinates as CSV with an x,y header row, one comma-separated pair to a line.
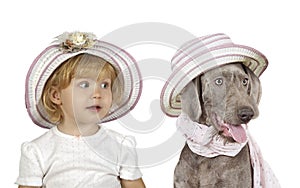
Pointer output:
x,y
84,84
219,81
104,85
245,81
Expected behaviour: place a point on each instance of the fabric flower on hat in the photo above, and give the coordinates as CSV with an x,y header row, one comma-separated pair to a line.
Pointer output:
x,y
75,41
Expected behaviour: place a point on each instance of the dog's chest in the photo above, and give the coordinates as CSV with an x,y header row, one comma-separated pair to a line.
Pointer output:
x,y
222,171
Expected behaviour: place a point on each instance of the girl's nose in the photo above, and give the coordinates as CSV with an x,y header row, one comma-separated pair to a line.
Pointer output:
x,y
97,92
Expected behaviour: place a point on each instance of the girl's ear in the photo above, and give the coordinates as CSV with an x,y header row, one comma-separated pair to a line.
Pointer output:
x,y
55,95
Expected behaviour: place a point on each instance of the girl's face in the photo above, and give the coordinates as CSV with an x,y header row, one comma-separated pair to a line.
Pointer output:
x,y
86,101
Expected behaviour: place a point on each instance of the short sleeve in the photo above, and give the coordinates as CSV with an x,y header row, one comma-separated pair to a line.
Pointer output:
x,y
129,169
30,168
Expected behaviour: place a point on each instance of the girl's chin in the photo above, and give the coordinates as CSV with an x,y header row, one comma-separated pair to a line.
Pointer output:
x,y
88,130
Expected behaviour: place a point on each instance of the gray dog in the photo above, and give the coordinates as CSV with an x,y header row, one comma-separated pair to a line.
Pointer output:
x,y
225,97
214,92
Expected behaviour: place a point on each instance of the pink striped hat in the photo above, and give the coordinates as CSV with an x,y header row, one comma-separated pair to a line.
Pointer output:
x,y
200,55
69,45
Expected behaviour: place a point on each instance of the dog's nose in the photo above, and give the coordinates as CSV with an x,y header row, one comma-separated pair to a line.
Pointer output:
x,y
245,114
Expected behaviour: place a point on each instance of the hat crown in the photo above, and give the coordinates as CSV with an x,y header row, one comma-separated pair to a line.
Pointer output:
x,y
190,49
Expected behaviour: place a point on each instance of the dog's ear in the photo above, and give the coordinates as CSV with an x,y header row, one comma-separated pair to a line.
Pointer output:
x,y
254,85
190,103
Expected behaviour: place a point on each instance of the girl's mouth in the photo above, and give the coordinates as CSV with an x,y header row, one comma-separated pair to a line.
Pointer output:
x,y
94,108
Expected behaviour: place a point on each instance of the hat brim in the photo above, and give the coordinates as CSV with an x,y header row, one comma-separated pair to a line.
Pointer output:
x,y
52,57
212,58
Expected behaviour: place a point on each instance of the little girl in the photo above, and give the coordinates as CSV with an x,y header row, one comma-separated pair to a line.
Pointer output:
x,y
72,86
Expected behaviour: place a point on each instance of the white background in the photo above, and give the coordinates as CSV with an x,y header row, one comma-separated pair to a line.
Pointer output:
x,y
272,27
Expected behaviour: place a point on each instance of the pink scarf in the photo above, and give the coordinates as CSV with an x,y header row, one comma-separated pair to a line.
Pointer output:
x,y
204,141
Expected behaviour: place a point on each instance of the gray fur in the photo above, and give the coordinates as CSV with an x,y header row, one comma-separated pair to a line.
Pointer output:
x,y
203,100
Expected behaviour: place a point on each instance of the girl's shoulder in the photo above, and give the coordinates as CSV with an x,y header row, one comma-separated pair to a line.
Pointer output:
x,y
40,142
33,149
44,138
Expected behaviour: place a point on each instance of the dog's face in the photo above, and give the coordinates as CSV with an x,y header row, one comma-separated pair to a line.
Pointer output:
x,y
229,96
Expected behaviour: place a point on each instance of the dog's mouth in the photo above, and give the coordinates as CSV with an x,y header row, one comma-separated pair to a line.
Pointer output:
x,y
236,132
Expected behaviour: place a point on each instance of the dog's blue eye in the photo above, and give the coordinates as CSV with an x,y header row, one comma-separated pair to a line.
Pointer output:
x,y
245,81
219,81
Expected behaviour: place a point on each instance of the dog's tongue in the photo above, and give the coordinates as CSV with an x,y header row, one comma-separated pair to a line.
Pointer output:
x,y
238,133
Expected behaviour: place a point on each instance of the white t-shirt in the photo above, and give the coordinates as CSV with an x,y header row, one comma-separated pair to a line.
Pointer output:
x,y
57,160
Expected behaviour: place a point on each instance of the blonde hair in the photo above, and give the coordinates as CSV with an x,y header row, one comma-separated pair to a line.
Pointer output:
x,y
79,66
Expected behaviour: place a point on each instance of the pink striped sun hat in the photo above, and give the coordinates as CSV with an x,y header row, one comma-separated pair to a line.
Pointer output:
x,y
69,45
200,55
